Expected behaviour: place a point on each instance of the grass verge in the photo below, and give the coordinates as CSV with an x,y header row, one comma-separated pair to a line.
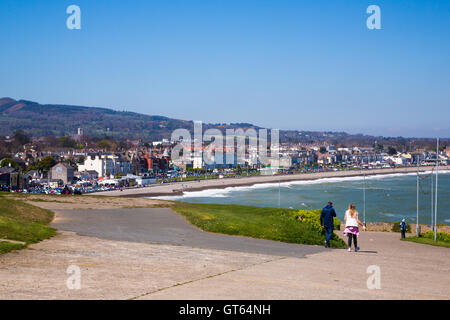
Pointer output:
x,y
257,222
23,222
8,246
443,239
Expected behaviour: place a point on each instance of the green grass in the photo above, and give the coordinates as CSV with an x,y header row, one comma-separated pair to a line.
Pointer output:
x,y
23,222
443,239
8,246
24,212
257,222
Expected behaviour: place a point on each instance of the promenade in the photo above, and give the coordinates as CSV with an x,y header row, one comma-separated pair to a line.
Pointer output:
x,y
178,188
130,265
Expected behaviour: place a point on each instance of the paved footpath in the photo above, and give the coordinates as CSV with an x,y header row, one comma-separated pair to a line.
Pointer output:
x,y
407,271
118,269
162,225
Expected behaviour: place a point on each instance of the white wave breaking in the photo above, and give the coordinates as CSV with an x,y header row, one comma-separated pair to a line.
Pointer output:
x,y
225,192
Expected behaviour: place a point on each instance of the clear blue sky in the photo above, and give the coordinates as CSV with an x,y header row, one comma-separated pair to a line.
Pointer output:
x,y
308,65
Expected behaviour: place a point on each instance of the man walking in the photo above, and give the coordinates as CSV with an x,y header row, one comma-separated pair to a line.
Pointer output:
x,y
326,221
403,228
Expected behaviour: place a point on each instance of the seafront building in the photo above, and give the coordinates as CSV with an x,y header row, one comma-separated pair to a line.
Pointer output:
x,y
144,163
106,165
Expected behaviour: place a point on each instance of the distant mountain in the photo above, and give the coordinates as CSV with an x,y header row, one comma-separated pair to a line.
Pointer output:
x,y
64,120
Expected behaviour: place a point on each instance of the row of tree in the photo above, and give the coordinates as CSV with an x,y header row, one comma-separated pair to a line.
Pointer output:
x,y
20,139
42,165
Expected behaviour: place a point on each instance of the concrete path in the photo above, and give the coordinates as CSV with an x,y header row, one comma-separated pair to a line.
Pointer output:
x,y
112,269
118,258
406,271
162,225
109,269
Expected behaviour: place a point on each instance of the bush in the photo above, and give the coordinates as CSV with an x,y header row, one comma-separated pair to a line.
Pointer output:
x,y
312,217
441,236
396,227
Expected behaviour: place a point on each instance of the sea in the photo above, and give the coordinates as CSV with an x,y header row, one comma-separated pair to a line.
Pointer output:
x,y
388,197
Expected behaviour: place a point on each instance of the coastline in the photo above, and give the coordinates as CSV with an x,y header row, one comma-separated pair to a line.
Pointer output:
x,y
178,188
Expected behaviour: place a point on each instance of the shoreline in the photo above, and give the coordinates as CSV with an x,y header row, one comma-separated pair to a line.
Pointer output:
x,y
178,188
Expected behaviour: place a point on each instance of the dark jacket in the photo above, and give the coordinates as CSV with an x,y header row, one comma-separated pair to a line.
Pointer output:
x,y
403,226
326,217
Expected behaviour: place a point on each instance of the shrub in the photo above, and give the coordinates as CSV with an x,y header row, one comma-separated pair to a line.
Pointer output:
x,y
396,227
441,236
312,217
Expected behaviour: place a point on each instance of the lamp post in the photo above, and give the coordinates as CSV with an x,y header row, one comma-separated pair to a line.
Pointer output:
x,y
436,192
417,202
432,199
364,199
279,192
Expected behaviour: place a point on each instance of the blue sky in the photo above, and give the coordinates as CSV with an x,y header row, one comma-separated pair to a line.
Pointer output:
x,y
308,65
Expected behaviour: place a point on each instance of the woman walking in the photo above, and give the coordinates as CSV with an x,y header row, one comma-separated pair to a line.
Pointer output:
x,y
352,224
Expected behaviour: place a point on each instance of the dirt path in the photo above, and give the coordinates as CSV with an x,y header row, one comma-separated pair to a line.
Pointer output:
x,y
53,202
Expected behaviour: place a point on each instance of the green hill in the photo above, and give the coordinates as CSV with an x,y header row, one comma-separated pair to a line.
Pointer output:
x,y
62,120
40,120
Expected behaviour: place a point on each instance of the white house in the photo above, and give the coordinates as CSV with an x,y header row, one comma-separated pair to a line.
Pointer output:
x,y
396,159
104,164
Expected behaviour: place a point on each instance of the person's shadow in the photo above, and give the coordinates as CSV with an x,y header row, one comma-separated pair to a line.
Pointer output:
x,y
362,251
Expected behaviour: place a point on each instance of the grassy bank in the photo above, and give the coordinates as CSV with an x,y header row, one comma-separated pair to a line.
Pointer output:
x,y
443,239
258,222
22,222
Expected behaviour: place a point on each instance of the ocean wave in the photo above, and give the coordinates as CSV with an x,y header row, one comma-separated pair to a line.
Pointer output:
x,y
208,193
391,214
358,178
225,192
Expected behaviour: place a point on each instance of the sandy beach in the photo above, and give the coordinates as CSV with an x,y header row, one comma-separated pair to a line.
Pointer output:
x,y
168,189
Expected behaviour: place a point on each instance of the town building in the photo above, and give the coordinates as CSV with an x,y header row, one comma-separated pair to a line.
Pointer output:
x,y
87,175
62,171
106,164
